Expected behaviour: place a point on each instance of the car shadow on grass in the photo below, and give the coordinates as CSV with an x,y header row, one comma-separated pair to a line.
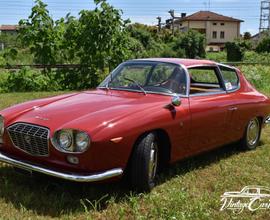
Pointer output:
x,y
47,196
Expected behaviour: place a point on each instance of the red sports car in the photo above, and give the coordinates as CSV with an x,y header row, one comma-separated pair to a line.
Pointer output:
x,y
145,114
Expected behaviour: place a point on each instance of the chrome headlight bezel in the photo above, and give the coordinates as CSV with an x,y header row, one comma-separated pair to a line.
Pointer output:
x,y
73,146
64,140
82,141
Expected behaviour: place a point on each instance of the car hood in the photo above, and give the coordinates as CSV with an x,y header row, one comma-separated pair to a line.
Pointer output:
x,y
91,109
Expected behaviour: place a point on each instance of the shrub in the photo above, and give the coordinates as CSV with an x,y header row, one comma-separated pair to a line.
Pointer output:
x,y
234,51
252,56
264,45
26,80
258,75
219,57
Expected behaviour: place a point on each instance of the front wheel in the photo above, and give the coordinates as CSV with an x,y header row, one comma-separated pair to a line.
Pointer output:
x,y
252,135
144,163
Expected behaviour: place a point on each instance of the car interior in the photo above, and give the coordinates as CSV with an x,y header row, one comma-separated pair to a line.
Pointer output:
x,y
204,80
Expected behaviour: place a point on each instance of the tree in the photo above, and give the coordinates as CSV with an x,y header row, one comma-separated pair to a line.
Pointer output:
x,y
247,36
71,33
192,43
40,34
102,41
264,45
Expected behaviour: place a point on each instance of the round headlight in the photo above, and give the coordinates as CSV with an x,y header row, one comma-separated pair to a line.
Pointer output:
x,y
65,140
82,141
1,125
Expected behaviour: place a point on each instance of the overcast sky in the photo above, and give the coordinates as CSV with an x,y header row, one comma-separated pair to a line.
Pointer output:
x,y
143,11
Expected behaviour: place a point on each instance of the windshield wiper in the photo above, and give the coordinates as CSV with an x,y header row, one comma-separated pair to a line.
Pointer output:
x,y
137,84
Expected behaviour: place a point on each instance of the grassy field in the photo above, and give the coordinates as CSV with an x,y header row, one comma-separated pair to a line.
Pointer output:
x,y
190,189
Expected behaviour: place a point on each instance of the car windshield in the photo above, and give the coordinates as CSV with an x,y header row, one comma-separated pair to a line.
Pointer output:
x,y
146,77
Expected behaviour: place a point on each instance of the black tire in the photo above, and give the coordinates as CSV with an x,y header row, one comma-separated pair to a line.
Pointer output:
x,y
144,163
252,135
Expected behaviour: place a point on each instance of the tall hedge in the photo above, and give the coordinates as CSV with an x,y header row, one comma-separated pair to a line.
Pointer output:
x,y
234,52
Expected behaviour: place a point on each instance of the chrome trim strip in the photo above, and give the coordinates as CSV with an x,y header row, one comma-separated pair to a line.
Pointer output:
x,y
227,66
188,79
208,93
148,92
67,176
202,65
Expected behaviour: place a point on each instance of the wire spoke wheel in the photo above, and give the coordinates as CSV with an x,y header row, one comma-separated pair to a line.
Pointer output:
x,y
153,161
253,131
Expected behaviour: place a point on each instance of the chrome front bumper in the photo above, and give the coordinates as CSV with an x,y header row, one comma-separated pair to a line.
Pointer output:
x,y
67,176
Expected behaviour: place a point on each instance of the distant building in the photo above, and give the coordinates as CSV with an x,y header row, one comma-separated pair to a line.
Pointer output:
x,y
7,29
218,29
257,37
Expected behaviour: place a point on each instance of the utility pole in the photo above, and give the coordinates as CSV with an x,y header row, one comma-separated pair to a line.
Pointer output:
x,y
265,16
159,23
171,12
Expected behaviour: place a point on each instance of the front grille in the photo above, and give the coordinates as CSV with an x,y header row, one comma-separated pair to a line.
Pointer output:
x,y
29,138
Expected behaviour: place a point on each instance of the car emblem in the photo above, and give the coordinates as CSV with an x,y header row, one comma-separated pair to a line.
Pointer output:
x,y
27,139
44,119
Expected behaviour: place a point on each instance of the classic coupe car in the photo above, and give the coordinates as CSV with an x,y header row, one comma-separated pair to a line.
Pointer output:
x,y
145,114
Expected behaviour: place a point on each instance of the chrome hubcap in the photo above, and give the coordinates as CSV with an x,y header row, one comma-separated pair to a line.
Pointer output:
x,y
153,160
253,131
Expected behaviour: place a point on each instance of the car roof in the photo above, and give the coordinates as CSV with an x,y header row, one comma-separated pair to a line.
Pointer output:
x,y
185,62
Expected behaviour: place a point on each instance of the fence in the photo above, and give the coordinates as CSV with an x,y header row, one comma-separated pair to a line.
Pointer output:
x,y
76,66
42,66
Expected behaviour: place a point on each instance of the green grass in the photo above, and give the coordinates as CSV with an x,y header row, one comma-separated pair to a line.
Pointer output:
x,y
190,189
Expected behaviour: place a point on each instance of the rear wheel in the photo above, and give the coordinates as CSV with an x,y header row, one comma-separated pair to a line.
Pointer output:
x,y
252,135
144,163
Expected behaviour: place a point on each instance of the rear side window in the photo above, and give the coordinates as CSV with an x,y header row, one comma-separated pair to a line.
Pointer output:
x,y
204,75
230,77
204,80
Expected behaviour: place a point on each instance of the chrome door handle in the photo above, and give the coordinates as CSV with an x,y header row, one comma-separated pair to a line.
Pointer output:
x,y
233,108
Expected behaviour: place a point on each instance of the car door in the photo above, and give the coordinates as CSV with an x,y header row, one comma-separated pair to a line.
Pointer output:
x,y
232,85
209,108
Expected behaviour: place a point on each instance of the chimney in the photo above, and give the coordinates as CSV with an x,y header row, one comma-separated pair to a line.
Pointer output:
x,y
183,15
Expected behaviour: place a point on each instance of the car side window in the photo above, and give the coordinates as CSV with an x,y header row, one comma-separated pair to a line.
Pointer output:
x,y
263,191
204,80
230,77
253,191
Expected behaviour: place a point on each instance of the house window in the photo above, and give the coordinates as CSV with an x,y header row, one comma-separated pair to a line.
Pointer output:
x,y
222,24
214,23
214,35
222,35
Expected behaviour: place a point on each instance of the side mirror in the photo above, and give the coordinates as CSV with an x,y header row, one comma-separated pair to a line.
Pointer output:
x,y
176,101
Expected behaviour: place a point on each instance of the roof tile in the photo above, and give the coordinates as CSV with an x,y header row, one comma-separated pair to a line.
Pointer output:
x,y
208,16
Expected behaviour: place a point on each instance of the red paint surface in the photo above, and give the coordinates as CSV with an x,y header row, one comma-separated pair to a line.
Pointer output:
x,y
200,123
